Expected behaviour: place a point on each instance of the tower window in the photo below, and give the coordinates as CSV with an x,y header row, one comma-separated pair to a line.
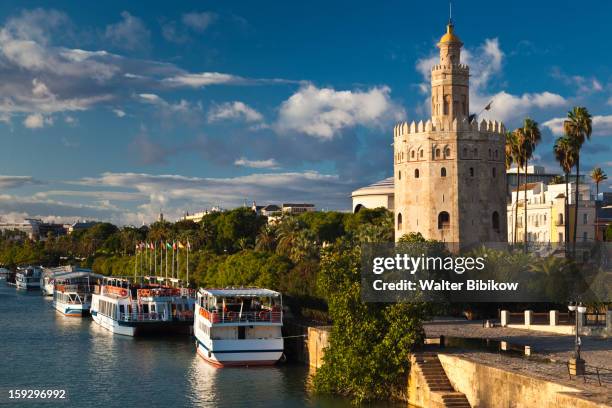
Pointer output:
x,y
495,221
443,220
475,152
437,153
447,152
416,173
496,154
471,172
412,154
443,172
399,221
490,153
399,175
493,172
421,153
465,153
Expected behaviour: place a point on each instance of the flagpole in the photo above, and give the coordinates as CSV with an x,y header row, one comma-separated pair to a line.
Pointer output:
x,y
166,261
178,263
173,259
155,258
135,261
188,262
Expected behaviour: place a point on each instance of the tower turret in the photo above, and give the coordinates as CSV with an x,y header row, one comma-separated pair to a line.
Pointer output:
x,y
449,80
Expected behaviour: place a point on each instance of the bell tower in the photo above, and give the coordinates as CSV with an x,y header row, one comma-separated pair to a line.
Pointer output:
x,y
450,80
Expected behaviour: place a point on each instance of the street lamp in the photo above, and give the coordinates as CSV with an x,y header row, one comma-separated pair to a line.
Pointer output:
x,y
577,363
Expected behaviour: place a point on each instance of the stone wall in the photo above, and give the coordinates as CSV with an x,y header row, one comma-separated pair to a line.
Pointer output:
x,y
318,340
492,387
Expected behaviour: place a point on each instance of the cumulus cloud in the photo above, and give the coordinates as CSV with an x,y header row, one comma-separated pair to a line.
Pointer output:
x,y
602,125
324,112
232,111
37,121
198,21
129,34
257,164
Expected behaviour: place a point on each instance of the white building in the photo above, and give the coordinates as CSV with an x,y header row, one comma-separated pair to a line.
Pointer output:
x,y
546,213
379,194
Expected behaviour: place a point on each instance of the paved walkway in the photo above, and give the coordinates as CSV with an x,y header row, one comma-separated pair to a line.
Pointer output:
x,y
558,348
596,351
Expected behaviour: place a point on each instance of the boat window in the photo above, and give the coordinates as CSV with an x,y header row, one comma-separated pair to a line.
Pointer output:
x,y
145,308
122,309
153,308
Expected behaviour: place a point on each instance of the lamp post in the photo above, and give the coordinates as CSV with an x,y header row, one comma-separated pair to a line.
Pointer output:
x,y
576,364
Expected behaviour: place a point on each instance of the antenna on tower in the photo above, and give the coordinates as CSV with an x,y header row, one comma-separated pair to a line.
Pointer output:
x,y
450,11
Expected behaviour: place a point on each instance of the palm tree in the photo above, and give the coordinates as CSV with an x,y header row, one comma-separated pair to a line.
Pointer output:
x,y
532,139
519,158
565,154
511,157
578,127
266,239
597,175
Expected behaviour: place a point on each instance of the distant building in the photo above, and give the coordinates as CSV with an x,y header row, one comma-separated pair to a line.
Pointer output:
x,y
535,174
379,194
80,226
34,228
291,208
546,215
197,217
604,215
271,210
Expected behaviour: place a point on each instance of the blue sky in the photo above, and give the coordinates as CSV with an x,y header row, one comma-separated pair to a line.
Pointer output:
x,y
119,110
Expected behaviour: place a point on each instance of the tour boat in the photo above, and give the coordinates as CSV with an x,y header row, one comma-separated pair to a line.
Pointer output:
x,y
239,326
28,277
148,305
72,292
49,275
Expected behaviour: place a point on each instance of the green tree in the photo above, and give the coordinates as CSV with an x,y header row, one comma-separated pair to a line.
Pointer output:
x,y
531,138
578,127
367,357
597,175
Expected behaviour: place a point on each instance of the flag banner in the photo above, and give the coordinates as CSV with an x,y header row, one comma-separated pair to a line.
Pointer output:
x,y
174,245
168,245
180,245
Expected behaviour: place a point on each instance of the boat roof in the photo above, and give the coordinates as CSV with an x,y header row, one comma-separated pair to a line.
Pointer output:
x,y
79,274
240,292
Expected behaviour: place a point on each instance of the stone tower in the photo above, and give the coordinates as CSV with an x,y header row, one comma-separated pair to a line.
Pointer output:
x,y
450,175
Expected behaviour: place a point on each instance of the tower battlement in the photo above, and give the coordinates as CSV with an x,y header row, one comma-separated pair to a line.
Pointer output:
x,y
446,125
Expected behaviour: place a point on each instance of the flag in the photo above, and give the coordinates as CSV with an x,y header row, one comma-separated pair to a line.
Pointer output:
x,y
168,245
180,245
188,245
151,245
488,107
174,245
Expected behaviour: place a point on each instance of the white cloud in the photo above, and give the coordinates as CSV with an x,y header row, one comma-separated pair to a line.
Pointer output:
x,y
187,111
257,164
120,113
602,125
324,112
37,121
198,21
17,181
582,84
202,79
234,110
610,101
130,33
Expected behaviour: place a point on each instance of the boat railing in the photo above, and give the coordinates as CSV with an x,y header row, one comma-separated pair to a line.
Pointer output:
x,y
142,317
73,288
185,315
261,316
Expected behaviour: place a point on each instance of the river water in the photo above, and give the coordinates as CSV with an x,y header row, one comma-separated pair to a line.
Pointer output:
x,y
41,349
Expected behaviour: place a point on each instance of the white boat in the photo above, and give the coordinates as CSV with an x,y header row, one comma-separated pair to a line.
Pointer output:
x,y
239,327
136,308
72,292
28,277
49,275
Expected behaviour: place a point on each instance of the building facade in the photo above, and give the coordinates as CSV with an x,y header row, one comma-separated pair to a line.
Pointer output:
x,y
379,194
547,215
449,172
